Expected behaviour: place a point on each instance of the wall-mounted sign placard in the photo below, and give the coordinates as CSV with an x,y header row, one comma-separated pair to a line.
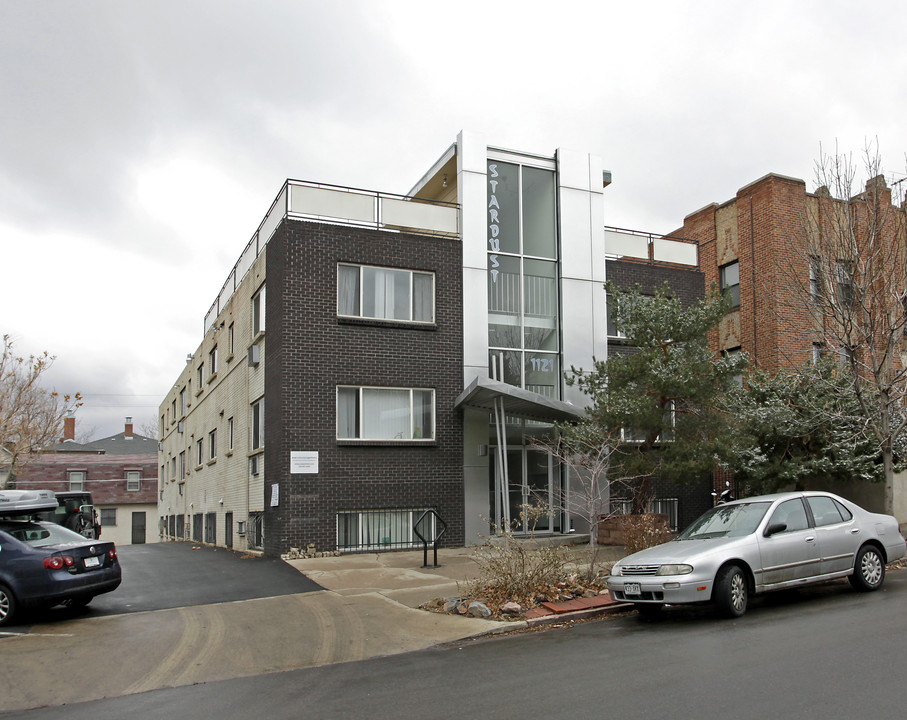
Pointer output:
x,y
303,462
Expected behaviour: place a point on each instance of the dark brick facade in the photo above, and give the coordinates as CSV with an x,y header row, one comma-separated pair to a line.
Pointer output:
x,y
688,284
310,351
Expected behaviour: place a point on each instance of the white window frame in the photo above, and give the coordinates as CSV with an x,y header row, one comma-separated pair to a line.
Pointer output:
x,y
258,311
363,392
257,426
230,433
199,451
77,479
410,289
133,480
212,444
212,363
733,289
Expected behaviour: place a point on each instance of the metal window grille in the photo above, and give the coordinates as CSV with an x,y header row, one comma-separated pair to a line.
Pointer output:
x,y
362,530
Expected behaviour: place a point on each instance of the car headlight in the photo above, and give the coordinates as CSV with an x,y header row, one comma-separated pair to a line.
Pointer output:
x,y
674,570
615,571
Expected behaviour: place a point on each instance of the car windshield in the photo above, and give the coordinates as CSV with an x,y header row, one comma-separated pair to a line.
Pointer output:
x,y
726,521
41,534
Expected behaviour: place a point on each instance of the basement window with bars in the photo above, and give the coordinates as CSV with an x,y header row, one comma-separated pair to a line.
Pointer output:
x,y
362,530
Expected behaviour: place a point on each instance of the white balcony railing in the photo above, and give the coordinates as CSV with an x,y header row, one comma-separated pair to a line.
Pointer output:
x,y
341,206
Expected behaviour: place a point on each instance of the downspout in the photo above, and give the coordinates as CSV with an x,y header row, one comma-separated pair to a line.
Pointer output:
x,y
753,269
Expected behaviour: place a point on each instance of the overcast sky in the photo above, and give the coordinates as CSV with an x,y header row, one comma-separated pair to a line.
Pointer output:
x,y
143,141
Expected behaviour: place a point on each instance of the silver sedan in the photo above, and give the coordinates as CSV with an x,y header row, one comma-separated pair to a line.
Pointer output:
x,y
758,544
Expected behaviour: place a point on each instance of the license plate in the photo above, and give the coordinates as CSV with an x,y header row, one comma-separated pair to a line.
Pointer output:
x,y
632,589
92,562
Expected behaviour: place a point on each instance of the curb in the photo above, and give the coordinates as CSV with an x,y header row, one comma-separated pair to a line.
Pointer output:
x,y
577,614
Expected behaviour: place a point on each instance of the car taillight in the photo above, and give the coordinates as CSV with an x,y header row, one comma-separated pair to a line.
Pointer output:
x,y
112,552
58,562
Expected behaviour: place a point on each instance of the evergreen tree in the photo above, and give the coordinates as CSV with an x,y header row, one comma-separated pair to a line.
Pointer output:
x,y
662,396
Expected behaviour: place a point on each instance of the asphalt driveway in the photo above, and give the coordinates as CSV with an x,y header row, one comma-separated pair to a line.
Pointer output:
x,y
162,576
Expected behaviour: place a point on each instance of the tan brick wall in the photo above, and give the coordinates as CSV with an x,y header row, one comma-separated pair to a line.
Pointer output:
x,y
224,484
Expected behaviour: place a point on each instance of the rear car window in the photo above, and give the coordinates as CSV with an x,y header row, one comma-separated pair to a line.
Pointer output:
x,y
41,534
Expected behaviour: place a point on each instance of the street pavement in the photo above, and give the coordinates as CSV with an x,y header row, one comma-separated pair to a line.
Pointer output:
x,y
366,609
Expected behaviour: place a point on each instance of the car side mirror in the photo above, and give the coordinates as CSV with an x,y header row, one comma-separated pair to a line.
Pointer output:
x,y
775,528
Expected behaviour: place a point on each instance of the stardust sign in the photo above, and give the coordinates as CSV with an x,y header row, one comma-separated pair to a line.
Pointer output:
x,y
494,225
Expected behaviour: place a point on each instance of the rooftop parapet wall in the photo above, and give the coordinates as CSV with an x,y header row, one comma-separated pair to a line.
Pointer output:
x,y
340,206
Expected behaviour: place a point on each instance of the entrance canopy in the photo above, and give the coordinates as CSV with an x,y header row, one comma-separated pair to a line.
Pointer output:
x,y
482,393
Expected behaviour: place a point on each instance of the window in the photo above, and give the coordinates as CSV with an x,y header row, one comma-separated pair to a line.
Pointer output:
x,y
815,279
108,517
369,413
384,529
230,433
231,336
613,330
258,424
818,352
183,465
173,468
200,451
792,514
133,480
173,408
258,312
730,282
212,444
385,293
77,480
847,358
212,362
184,402
827,511
201,377
845,283
734,353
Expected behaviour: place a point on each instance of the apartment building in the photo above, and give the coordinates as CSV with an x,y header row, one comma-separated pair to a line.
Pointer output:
x,y
375,366
771,247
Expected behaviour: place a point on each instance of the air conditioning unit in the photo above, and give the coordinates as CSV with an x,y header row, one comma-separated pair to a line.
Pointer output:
x,y
254,355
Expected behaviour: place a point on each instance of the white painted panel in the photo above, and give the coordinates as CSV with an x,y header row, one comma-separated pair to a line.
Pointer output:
x,y
407,214
618,243
576,234
273,218
573,169
675,252
584,329
475,322
328,203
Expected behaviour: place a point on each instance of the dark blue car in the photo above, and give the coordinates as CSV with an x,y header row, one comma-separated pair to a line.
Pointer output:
x,y
44,564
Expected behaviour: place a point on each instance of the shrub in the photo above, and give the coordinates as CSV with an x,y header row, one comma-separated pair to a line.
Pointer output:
x,y
644,531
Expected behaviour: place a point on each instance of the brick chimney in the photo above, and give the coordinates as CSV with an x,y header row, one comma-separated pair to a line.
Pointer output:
x,y
69,428
128,428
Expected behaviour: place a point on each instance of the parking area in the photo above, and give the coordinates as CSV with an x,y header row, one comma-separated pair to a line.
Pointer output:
x,y
162,576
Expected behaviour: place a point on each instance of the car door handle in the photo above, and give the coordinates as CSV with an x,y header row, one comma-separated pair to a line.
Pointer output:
x,y
854,531
811,539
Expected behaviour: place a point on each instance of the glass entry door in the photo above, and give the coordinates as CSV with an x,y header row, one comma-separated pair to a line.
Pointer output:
x,y
530,490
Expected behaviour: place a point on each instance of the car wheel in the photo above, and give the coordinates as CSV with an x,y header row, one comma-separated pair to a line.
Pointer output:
x,y
648,610
868,569
7,605
731,591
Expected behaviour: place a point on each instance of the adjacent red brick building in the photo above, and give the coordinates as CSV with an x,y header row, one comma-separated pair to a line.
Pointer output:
x,y
119,471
